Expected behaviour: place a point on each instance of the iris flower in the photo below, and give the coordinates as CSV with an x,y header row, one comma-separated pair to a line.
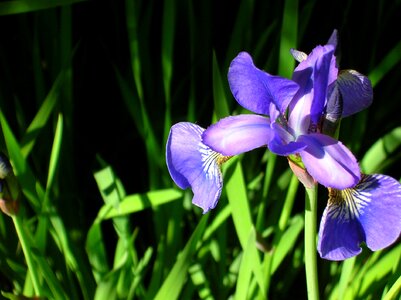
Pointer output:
x,y
296,110
368,213
288,120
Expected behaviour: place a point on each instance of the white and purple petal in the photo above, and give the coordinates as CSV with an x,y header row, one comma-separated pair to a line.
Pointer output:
x,y
314,75
238,134
356,91
255,89
329,162
193,164
370,212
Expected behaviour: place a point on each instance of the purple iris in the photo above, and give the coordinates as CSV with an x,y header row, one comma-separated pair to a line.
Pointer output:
x,y
297,110
289,119
368,213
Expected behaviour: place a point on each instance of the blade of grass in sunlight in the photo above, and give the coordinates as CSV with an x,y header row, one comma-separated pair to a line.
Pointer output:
x,y
135,99
385,66
191,116
21,169
176,278
288,38
382,153
33,190
236,194
125,256
221,109
394,291
43,221
287,241
96,250
201,282
245,270
138,202
24,6
345,278
42,116
377,272
168,27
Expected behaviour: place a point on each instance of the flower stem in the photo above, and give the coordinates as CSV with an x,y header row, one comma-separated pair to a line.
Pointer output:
x,y
23,238
310,242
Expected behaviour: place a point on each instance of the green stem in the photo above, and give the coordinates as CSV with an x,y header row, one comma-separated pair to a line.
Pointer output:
x,y
310,242
23,238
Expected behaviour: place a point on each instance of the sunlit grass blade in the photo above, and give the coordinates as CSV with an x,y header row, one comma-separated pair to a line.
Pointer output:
x,y
138,202
175,280
241,214
346,275
34,191
200,281
246,267
96,251
288,38
394,291
378,271
168,27
382,153
24,6
221,109
21,168
42,116
43,221
287,242
238,200
139,272
385,66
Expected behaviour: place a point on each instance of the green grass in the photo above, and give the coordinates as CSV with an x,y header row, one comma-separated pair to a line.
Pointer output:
x,y
88,94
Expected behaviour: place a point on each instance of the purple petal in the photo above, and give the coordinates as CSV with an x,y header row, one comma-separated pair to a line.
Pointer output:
x,y
193,164
339,234
380,214
356,91
370,212
255,89
333,40
313,75
238,134
329,162
283,142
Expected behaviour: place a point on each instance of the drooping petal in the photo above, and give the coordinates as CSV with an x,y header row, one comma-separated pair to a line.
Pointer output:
x,y
356,91
329,162
381,217
340,234
192,164
238,134
255,89
370,212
